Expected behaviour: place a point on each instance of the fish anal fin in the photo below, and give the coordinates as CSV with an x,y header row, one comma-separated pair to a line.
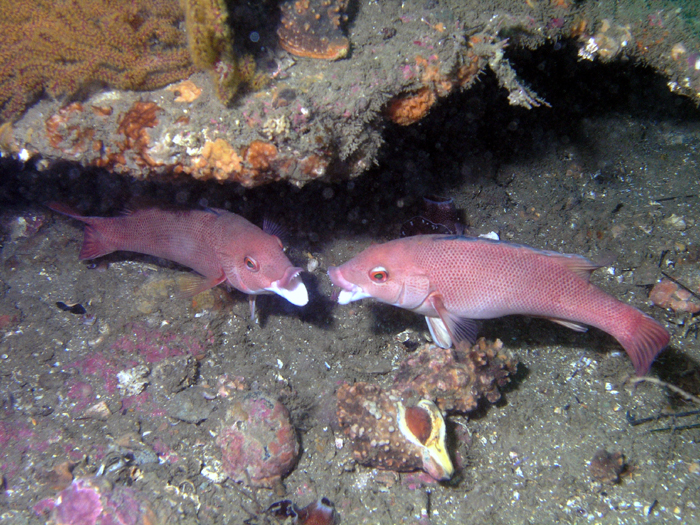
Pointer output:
x,y
191,285
459,328
576,327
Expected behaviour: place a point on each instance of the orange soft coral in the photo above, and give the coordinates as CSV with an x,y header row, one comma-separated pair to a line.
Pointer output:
x,y
408,109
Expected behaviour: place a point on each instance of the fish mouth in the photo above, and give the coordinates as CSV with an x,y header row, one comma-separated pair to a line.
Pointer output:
x,y
349,292
290,287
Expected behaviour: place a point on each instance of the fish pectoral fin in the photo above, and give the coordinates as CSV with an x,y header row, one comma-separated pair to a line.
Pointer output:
x,y
459,328
192,285
577,327
438,331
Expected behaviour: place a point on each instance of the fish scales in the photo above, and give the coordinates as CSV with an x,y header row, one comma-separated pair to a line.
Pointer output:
x,y
453,280
219,245
486,279
196,239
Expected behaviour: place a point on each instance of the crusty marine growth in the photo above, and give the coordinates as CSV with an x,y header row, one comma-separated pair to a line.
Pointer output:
x,y
453,279
219,245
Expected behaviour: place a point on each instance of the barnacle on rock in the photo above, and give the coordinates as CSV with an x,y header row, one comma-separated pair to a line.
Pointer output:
x,y
276,127
456,378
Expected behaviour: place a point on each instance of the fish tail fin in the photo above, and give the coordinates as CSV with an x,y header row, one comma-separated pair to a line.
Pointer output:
x,y
644,342
64,209
94,245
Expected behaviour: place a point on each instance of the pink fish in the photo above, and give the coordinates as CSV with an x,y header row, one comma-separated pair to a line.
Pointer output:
x,y
453,280
219,245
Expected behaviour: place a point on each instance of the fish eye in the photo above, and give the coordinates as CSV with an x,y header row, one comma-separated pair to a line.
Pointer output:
x,y
379,274
251,264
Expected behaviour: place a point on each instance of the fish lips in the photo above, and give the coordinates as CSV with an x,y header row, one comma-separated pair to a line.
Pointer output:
x,y
349,292
291,287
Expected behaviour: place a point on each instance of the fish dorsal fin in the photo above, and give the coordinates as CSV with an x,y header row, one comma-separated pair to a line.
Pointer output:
x,y
578,264
459,328
272,228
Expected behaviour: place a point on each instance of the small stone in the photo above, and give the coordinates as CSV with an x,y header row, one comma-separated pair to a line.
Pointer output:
x,y
606,467
189,406
99,411
133,381
675,223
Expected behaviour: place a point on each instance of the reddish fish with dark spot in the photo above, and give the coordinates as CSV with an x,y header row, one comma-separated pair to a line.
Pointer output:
x,y
219,245
452,280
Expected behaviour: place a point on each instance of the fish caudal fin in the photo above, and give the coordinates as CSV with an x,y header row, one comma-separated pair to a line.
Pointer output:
x,y
64,209
644,342
93,244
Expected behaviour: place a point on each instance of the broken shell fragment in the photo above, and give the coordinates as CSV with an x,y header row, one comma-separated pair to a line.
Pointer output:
x,y
387,434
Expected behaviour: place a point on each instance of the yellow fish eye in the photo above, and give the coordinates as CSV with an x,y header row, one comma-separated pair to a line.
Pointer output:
x,y
379,274
251,264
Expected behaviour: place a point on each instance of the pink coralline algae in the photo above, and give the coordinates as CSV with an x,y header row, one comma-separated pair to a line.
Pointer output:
x,y
258,443
95,501
100,365
155,345
16,438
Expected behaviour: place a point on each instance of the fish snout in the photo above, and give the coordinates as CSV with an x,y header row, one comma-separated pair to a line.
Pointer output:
x,y
349,292
291,287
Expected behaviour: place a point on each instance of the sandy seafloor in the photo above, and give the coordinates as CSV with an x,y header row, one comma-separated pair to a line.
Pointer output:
x,y
598,174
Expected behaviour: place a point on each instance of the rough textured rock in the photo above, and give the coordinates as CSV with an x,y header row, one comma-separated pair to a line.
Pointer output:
x,y
320,118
